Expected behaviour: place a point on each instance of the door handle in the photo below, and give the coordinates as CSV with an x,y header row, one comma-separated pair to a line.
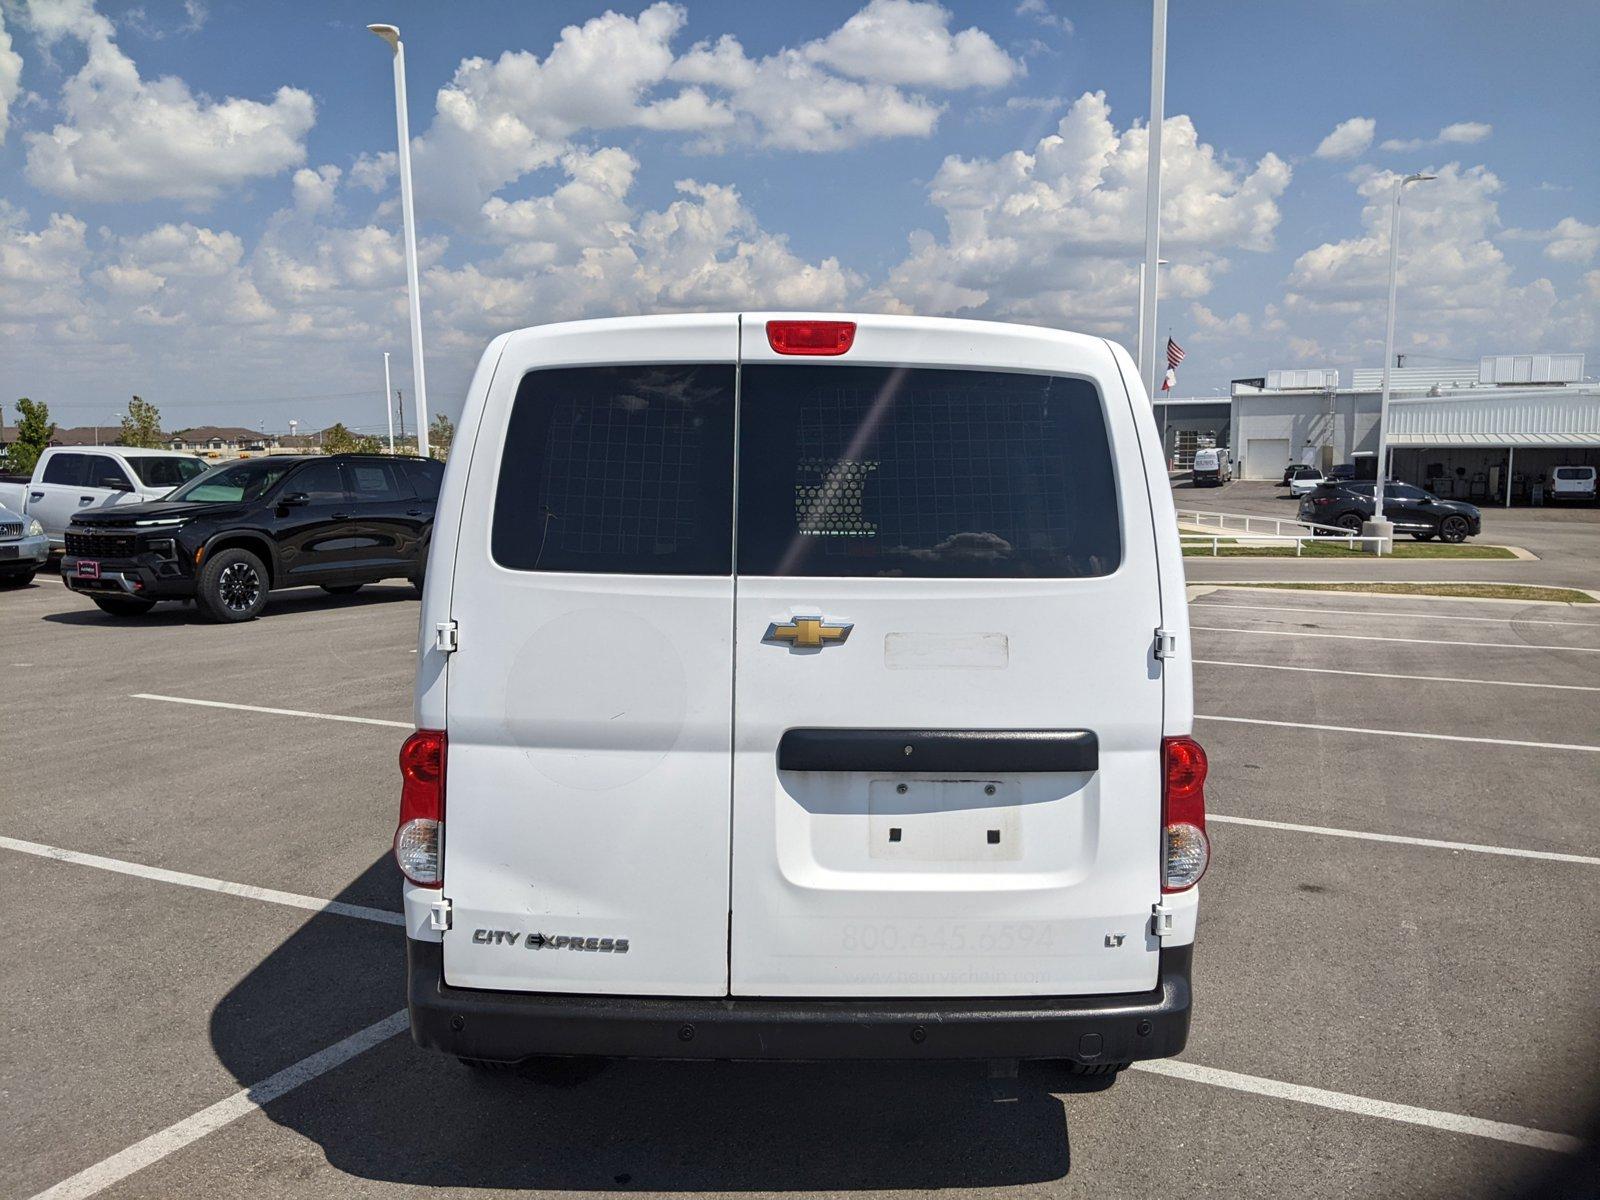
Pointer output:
x,y
341,516
85,499
36,495
415,512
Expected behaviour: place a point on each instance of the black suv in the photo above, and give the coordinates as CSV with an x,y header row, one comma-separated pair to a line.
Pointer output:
x,y
225,538
1348,504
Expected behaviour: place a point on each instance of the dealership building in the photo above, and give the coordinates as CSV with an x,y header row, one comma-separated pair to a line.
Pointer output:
x,y
1489,434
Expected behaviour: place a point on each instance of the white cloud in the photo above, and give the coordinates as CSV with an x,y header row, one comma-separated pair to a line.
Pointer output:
x,y
315,191
1460,133
10,77
1458,292
498,121
1569,240
1041,12
909,42
1055,235
1348,139
127,138
373,171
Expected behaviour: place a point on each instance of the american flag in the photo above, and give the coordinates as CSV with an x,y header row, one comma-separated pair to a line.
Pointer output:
x,y
1174,353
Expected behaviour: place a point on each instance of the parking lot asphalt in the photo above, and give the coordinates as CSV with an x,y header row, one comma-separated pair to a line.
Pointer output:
x,y
1401,912
1565,539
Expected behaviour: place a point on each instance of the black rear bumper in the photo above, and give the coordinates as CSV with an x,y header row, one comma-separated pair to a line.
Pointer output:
x,y
509,1026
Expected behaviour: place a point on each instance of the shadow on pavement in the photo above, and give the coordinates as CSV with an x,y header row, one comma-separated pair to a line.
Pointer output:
x,y
400,1114
168,613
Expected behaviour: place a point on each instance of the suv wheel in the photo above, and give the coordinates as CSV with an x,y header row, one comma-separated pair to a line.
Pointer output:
x,y
120,607
1352,521
1453,529
233,586
1095,1070
341,589
16,579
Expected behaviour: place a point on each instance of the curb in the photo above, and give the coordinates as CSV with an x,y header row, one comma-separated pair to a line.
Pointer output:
x,y
1195,590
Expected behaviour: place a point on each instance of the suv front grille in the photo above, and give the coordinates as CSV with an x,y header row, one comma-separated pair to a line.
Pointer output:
x,y
10,529
101,545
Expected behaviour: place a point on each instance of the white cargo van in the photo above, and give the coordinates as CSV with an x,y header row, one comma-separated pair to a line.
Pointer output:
x,y
1212,466
803,688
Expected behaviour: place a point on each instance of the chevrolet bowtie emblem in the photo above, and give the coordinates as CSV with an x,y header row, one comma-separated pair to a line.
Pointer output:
x,y
807,633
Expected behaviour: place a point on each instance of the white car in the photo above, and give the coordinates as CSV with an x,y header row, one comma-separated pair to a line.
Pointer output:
x,y
71,479
1304,480
803,688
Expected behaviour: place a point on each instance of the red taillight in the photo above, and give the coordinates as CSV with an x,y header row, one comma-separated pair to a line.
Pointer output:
x,y
811,337
420,834
1185,848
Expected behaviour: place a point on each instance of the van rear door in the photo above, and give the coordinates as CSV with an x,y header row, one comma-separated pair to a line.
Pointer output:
x,y
589,701
948,709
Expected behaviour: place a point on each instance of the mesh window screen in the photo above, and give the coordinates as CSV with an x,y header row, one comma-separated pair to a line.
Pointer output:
x,y
923,472
619,470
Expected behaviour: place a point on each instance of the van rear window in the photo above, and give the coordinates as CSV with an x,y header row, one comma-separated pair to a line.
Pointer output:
x,y
619,470
923,472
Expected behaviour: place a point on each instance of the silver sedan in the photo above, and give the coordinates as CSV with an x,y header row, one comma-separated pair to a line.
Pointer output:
x,y
24,548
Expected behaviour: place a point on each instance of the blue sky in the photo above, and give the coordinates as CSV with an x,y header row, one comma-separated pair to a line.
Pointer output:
x,y
196,201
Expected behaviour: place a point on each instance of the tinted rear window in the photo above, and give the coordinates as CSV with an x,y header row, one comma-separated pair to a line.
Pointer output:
x,y
619,470
853,471
160,471
426,475
1573,472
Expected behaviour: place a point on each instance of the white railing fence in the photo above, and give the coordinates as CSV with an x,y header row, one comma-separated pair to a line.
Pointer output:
x,y
1263,531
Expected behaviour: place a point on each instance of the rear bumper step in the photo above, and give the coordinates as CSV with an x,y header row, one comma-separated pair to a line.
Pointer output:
x,y
508,1026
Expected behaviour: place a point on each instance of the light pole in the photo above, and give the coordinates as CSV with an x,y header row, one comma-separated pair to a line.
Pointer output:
x,y
1152,195
391,34
388,402
1380,528
1160,262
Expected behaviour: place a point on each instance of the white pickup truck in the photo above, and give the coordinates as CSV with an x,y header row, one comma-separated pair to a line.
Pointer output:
x,y
70,479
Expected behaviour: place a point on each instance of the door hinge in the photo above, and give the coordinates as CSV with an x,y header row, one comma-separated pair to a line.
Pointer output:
x,y
439,914
1161,922
1166,643
446,637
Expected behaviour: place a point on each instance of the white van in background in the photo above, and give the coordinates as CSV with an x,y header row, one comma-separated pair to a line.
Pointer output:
x,y
1213,467
1572,483
803,688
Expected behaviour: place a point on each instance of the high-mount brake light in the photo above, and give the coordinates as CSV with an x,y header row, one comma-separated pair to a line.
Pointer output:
x,y
418,841
811,337
1185,848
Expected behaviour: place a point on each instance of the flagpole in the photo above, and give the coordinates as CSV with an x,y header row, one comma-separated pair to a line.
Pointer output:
x,y
1152,195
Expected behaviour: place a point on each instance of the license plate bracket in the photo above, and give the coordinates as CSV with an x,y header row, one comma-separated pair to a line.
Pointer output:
x,y
88,568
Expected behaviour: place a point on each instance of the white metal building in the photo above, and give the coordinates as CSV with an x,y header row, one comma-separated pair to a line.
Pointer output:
x,y
1490,435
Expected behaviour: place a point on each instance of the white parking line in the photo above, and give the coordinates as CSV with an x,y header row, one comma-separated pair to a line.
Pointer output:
x,y
1367,637
183,879
1499,1131
159,1145
1564,687
1324,831
273,712
191,1129
1360,612
1401,733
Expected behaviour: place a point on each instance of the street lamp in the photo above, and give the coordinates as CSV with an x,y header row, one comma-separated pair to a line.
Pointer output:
x,y
391,34
1152,194
1378,527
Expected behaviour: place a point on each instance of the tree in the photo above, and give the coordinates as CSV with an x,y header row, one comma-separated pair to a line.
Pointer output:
x,y
141,426
441,432
34,431
336,439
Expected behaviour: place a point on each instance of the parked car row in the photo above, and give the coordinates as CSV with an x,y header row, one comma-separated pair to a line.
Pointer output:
x,y
224,536
228,537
